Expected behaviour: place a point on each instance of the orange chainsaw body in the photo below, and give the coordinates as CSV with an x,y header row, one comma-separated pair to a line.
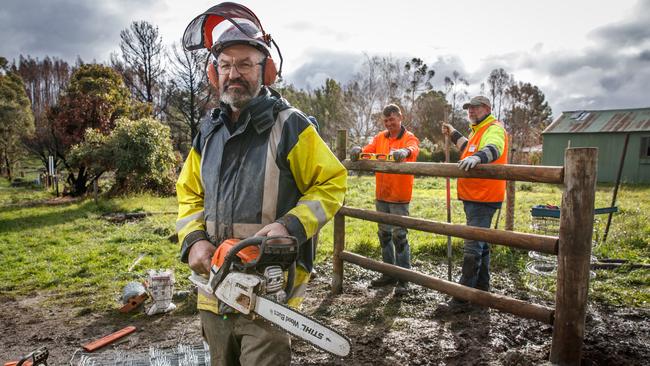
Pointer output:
x,y
247,254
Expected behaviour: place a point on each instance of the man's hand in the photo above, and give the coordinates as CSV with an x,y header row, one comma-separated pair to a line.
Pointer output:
x,y
401,154
447,129
469,163
200,256
273,229
355,152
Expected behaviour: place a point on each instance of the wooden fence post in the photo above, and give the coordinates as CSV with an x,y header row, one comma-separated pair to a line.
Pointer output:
x,y
576,230
339,223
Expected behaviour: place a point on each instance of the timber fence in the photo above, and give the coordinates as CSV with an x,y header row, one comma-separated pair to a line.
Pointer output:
x,y
572,247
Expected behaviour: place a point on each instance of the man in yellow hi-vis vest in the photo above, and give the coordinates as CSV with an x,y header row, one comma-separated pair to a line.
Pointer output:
x,y
487,144
257,167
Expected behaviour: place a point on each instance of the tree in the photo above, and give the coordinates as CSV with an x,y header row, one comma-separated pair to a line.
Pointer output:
x,y
363,97
16,118
95,98
45,80
456,89
139,152
498,82
428,112
330,109
528,115
142,68
418,78
191,94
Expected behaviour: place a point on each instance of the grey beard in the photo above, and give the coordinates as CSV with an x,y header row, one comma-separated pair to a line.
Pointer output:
x,y
237,101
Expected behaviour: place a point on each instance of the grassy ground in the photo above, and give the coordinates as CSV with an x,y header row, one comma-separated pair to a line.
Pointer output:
x,y
72,253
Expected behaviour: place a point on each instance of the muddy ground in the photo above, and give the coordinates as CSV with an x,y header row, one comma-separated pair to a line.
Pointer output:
x,y
384,329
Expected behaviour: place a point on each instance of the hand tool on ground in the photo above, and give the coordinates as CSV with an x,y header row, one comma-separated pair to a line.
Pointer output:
x,y
106,340
248,276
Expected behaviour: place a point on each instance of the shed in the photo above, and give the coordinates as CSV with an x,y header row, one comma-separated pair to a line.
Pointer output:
x,y
606,130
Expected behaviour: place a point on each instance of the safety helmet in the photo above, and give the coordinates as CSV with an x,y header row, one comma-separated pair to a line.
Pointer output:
x,y
227,24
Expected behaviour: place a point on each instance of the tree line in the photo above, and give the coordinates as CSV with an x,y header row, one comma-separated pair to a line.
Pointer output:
x,y
91,116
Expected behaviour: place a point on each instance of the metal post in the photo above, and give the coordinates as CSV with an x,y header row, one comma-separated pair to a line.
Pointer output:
x,y
576,230
618,181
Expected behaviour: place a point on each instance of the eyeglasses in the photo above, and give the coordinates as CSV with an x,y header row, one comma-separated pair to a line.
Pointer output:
x,y
242,68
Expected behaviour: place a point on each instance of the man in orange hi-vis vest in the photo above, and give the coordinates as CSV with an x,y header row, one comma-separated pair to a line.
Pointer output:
x,y
392,191
487,144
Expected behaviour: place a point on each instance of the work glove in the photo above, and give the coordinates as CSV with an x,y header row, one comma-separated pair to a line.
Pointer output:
x,y
447,129
469,163
355,152
400,155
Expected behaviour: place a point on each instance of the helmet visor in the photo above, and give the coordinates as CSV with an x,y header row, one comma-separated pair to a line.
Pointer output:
x,y
226,22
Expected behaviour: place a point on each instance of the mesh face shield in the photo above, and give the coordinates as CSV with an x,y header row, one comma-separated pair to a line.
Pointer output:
x,y
225,24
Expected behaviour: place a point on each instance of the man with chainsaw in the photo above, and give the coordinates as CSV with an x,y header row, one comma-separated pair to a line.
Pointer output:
x,y
257,167
487,144
392,191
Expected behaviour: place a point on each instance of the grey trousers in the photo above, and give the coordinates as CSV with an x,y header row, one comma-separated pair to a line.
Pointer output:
x,y
395,247
237,340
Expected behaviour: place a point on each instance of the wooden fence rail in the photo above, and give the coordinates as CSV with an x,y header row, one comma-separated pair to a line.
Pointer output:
x,y
538,243
522,173
504,303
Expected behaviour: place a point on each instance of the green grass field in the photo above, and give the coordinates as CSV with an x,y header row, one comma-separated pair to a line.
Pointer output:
x,y
72,254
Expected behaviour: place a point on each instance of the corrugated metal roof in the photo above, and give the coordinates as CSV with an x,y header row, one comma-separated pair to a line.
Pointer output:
x,y
612,120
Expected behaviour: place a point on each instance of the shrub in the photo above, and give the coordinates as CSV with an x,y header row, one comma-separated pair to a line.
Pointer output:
x,y
139,152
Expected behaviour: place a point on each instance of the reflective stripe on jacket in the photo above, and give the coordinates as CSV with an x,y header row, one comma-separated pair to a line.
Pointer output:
x,y
490,131
395,188
273,167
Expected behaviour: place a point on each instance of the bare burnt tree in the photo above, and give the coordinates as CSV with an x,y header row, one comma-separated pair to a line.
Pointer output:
x,y
363,97
456,91
418,77
528,114
141,65
393,79
190,94
45,81
498,82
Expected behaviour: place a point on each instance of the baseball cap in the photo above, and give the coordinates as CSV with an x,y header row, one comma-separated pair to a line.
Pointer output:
x,y
477,101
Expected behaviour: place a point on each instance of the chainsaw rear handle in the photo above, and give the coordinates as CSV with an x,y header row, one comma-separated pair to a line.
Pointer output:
x,y
260,241
35,358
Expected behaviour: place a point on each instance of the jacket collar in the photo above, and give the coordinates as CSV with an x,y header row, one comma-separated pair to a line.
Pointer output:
x,y
489,119
260,112
402,131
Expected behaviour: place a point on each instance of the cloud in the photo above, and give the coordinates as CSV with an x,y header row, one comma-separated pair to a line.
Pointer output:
x,y
630,31
321,65
64,28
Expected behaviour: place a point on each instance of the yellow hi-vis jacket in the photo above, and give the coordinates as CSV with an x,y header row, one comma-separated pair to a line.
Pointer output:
x,y
273,167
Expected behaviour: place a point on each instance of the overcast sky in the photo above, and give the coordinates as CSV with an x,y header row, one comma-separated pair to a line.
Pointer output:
x,y
583,54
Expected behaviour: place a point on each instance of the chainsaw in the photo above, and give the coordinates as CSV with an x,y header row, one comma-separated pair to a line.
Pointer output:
x,y
36,358
248,276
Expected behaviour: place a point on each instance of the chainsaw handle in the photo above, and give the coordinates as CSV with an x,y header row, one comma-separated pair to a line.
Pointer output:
x,y
263,244
260,241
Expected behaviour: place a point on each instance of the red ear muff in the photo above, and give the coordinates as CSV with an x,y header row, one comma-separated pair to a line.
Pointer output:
x,y
213,77
270,71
